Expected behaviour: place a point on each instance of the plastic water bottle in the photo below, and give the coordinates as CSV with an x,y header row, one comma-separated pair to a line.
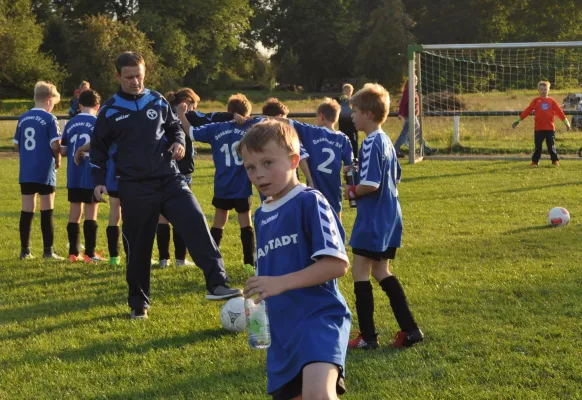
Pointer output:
x,y
351,180
257,324
258,330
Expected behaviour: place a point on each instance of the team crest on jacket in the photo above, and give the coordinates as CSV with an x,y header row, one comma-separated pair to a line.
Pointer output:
x,y
152,114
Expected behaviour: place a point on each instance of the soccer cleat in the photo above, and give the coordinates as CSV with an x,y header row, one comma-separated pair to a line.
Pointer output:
x,y
533,164
556,163
95,259
184,263
403,339
74,258
139,313
164,263
26,256
221,292
114,261
360,343
53,256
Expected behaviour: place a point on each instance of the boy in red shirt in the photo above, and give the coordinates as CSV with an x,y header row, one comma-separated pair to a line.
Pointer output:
x,y
545,109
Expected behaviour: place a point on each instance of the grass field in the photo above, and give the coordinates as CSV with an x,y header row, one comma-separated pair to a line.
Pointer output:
x,y
497,293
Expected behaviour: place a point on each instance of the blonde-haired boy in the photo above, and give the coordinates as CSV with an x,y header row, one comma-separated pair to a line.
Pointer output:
x,y
545,109
377,231
300,255
327,150
37,140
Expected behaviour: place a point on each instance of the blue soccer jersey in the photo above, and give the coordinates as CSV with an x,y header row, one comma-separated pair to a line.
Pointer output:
x,y
78,133
230,179
327,150
36,130
309,324
378,224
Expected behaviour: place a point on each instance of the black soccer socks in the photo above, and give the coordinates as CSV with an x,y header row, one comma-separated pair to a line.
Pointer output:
x,y
113,232
48,229
25,226
216,234
90,232
163,239
74,234
247,237
179,246
392,287
365,310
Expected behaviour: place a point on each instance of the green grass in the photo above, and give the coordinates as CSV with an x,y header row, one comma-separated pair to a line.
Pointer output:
x,y
495,290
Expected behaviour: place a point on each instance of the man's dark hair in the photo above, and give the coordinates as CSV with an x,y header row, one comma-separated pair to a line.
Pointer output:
x,y
89,98
128,59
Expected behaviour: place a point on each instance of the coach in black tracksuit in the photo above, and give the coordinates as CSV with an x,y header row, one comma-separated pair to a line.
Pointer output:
x,y
149,139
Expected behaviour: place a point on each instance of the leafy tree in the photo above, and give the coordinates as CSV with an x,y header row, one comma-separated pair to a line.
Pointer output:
x,y
382,49
98,44
21,63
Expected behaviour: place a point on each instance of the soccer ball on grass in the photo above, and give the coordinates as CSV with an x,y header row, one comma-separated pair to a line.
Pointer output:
x,y
232,315
558,216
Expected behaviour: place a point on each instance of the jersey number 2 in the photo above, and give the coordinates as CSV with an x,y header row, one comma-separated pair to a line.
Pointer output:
x,y
323,166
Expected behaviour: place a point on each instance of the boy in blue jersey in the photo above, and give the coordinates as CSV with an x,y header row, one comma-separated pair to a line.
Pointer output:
x,y
232,188
327,150
113,230
186,166
37,140
377,231
300,255
149,140
80,185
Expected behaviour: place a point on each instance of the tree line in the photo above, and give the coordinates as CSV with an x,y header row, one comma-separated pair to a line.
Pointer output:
x,y
211,44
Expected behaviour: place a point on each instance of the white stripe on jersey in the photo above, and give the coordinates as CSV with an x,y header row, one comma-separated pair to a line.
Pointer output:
x,y
366,150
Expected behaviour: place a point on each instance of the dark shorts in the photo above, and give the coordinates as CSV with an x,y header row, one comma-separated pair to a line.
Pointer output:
x,y
32,188
294,387
389,254
77,195
113,193
239,205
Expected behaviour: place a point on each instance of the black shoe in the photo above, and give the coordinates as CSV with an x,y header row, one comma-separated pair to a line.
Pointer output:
x,y
431,152
404,339
222,292
139,313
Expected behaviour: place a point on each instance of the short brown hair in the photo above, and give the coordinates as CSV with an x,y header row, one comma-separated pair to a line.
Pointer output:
x,y
275,108
544,83
89,98
330,109
45,90
259,135
348,85
238,103
374,98
183,95
129,59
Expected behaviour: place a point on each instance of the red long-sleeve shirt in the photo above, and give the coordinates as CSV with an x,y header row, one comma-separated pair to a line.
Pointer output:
x,y
545,109
403,108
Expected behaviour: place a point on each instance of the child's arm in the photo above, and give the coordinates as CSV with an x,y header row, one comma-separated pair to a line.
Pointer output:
x,y
306,171
325,269
524,114
560,114
353,192
56,148
181,110
79,152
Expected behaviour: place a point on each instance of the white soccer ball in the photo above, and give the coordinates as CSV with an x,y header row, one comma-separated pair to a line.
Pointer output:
x,y
232,315
558,216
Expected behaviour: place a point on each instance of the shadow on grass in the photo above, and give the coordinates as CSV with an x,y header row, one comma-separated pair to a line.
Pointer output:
x,y
530,229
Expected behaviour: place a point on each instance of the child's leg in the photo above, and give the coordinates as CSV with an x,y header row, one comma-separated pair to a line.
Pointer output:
x,y
551,144
320,380
113,230
73,230
364,298
163,238
220,218
26,215
90,228
392,287
539,138
47,204
179,246
247,237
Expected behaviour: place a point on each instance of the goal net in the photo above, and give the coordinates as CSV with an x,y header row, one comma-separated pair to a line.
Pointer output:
x,y
471,94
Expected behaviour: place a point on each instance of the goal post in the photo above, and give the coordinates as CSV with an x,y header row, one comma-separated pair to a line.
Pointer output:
x,y
487,81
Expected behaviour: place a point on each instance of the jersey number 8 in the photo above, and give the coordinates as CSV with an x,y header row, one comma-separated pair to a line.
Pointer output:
x,y
29,142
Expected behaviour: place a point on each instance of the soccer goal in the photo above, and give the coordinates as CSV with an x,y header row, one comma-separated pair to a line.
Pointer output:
x,y
471,93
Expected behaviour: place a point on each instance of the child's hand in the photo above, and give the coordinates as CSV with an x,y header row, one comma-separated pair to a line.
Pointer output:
x,y
182,108
264,286
346,192
78,155
239,119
